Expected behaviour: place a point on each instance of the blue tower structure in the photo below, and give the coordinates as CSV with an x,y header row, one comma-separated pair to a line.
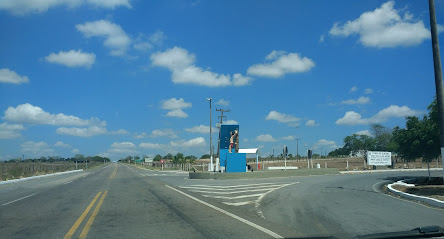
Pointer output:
x,y
232,162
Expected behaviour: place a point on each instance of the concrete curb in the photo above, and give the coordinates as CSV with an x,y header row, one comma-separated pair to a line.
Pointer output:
x,y
389,170
263,174
430,201
40,176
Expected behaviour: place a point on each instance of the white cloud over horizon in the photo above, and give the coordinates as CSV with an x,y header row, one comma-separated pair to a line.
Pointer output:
x,y
202,129
27,113
163,133
354,118
175,107
24,7
72,58
281,63
10,131
9,76
184,71
384,27
114,36
88,132
265,138
360,101
281,117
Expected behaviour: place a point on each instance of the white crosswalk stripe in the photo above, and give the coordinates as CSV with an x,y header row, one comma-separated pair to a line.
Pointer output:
x,y
236,195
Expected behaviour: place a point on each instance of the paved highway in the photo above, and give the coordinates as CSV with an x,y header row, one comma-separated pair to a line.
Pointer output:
x,y
121,201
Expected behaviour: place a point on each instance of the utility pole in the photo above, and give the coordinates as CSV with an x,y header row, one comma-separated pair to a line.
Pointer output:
x,y
222,114
438,75
222,117
211,139
297,149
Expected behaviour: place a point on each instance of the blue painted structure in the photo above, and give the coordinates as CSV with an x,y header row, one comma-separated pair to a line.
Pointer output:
x,y
233,162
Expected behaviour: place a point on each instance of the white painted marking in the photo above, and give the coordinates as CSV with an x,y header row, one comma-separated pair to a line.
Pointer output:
x,y
225,189
234,192
265,230
239,203
4,204
68,182
235,197
228,186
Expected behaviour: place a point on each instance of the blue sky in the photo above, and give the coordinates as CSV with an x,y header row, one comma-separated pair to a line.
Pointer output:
x,y
123,77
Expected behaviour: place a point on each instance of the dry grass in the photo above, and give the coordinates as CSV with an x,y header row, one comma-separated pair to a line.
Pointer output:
x,y
10,171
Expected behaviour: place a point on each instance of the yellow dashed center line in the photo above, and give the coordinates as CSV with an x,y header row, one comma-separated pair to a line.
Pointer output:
x,y
93,216
80,220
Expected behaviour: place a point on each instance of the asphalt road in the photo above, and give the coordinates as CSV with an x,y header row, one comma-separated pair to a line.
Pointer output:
x,y
121,201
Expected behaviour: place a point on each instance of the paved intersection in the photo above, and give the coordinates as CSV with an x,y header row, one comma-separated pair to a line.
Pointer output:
x,y
236,195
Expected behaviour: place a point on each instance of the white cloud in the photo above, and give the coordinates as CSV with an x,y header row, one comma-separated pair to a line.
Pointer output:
x,y
27,113
364,132
88,132
290,137
177,113
202,129
175,106
115,38
72,58
281,117
323,143
123,148
384,27
368,91
23,7
163,133
75,151
10,131
223,102
360,101
36,149
393,111
322,38
240,80
145,43
353,89
310,123
157,38
282,64
8,76
151,146
82,132
140,136
60,144
231,122
353,118
181,64
196,142
120,131
265,138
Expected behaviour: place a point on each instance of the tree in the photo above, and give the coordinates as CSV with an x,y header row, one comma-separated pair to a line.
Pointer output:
x,y
168,156
420,138
382,137
359,144
191,158
205,156
157,157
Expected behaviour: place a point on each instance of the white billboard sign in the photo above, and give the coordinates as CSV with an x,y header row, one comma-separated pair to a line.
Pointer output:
x,y
148,160
379,158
